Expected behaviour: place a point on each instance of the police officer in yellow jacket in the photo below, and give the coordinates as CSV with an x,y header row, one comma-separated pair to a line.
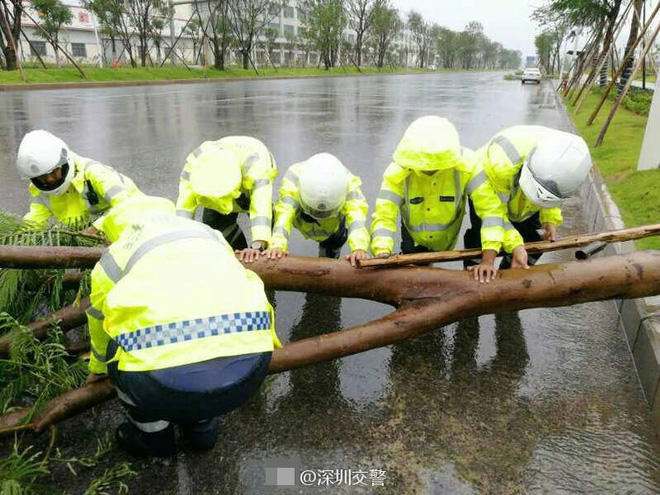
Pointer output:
x,y
232,175
66,186
428,182
183,330
532,169
323,200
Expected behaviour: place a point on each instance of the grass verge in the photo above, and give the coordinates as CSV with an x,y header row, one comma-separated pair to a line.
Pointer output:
x,y
169,73
637,194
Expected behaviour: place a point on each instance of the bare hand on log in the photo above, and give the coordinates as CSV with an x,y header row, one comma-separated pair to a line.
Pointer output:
x,y
519,258
550,232
355,257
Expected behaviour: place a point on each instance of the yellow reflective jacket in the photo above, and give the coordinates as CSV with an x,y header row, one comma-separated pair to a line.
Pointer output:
x,y
288,212
502,158
432,206
255,193
93,190
170,292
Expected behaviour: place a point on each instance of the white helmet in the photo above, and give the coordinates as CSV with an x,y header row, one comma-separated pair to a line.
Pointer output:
x,y
39,154
323,185
555,169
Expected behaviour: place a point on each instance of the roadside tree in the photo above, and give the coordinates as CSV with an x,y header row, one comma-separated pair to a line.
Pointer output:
x,y
470,42
419,29
194,31
305,43
10,31
543,43
216,28
248,19
325,21
270,35
145,16
290,46
361,16
509,59
386,25
597,15
109,14
632,37
53,14
447,44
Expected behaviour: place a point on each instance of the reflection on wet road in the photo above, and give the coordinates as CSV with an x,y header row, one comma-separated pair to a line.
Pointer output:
x,y
542,400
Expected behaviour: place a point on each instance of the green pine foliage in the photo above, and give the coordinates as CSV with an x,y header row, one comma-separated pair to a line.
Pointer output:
x,y
26,294
23,471
111,481
20,470
37,371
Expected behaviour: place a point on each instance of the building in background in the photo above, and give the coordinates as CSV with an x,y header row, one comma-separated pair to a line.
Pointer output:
x,y
84,40
283,44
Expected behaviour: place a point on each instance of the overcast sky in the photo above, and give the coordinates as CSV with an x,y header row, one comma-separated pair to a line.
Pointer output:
x,y
505,21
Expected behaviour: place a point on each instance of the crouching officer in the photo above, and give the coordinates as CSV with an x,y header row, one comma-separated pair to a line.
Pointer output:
x,y
532,170
73,189
226,177
428,183
323,200
182,329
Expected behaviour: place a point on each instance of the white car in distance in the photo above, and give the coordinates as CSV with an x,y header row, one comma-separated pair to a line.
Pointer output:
x,y
531,74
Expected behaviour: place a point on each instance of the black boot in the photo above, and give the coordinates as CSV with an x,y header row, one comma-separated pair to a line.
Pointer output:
x,y
203,434
142,444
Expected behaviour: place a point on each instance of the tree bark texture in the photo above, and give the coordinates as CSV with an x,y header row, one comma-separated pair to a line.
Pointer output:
x,y
48,257
425,298
630,44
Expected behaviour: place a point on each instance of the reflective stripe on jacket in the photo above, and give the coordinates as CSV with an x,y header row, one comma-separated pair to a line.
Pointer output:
x,y
79,205
432,206
288,212
170,292
502,159
258,169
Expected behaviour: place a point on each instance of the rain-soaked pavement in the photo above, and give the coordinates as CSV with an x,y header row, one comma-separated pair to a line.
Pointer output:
x,y
539,401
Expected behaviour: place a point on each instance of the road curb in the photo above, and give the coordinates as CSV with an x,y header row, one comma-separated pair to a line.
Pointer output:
x,y
639,319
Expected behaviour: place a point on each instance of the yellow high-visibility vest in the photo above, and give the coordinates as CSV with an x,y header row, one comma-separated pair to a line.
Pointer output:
x,y
289,212
432,205
93,190
254,194
171,292
503,158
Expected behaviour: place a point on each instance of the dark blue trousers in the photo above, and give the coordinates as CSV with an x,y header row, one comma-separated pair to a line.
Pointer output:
x,y
192,392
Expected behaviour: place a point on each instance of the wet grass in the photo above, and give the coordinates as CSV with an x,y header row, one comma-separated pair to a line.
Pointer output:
x,y
637,194
170,73
650,78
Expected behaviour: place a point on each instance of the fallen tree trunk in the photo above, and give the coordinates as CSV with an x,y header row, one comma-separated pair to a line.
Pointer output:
x,y
66,318
426,298
49,257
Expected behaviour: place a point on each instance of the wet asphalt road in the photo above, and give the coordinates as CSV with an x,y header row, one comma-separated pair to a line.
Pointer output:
x,y
541,401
